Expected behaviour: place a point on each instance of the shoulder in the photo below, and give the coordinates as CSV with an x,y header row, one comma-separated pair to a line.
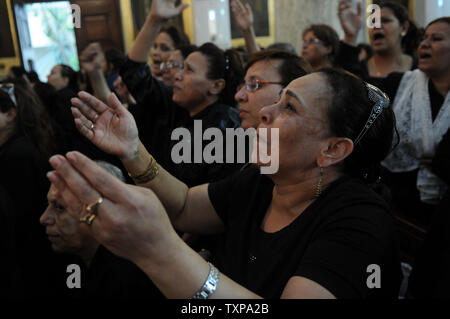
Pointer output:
x,y
223,116
19,147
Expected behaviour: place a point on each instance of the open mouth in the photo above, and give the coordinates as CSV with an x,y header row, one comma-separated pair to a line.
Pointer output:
x,y
378,36
425,56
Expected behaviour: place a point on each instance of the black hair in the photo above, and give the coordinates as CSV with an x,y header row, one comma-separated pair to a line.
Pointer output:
x,y
411,40
18,71
116,58
224,65
68,72
348,114
291,68
33,77
328,36
440,20
32,118
186,49
283,47
178,37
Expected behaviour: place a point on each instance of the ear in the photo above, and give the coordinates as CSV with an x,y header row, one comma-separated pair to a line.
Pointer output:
x,y
405,28
66,81
335,151
217,86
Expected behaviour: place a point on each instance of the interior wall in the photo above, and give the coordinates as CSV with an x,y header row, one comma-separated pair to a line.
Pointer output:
x,y
6,63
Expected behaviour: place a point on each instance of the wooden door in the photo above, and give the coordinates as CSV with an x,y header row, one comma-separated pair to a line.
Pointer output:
x,y
100,22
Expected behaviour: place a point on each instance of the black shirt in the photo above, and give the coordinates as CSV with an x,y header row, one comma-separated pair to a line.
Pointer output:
x,y
331,243
157,116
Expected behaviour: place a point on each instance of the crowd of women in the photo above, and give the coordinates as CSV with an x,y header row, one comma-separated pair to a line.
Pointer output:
x,y
362,139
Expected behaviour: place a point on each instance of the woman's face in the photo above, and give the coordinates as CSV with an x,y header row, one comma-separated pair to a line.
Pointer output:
x,y
64,231
389,35
434,50
250,103
300,117
56,80
192,87
162,48
175,64
314,50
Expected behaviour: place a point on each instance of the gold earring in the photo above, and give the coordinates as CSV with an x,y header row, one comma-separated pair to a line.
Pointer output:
x,y
319,184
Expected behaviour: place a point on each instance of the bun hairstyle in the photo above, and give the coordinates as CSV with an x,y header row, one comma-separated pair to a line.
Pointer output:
x,y
411,40
224,65
348,114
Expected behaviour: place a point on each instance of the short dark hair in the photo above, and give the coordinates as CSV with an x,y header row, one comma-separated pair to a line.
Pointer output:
x,y
116,58
440,20
283,46
348,113
328,36
225,65
178,37
68,72
291,68
187,49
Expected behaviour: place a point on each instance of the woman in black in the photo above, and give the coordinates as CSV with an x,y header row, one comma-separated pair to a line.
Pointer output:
x,y
312,229
394,43
203,91
26,143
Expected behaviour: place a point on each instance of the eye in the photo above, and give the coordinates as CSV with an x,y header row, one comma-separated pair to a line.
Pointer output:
x,y
59,207
290,107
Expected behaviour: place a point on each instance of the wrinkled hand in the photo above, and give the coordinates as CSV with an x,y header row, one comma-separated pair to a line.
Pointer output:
x,y
243,15
131,222
111,128
166,9
92,57
351,22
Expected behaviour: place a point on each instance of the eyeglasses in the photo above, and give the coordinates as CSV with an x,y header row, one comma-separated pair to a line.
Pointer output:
x,y
167,66
9,88
312,41
255,85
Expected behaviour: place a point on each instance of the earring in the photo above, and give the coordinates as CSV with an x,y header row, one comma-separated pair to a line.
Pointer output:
x,y
319,184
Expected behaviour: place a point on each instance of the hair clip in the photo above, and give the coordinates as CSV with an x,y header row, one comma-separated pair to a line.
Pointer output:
x,y
9,88
381,101
227,63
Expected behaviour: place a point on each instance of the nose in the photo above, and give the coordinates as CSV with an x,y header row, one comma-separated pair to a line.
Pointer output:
x,y
269,113
424,43
179,75
241,95
47,217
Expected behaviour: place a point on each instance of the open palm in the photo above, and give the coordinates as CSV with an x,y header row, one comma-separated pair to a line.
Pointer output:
x,y
111,128
166,9
351,22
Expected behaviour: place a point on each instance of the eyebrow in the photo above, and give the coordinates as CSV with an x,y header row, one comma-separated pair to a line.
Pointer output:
x,y
298,97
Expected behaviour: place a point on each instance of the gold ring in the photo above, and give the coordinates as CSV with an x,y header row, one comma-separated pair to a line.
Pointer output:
x,y
92,126
95,118
93,208
88,219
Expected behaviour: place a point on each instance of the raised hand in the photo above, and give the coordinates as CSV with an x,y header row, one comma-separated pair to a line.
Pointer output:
x,y
351,22
92,57
243,15
166,9
111,128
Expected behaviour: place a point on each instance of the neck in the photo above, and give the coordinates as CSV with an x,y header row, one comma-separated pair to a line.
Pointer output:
x,y
88,253
442,83
201,106
293,195
388,58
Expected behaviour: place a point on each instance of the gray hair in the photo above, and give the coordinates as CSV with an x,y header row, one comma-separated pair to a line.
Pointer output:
x,y
113,170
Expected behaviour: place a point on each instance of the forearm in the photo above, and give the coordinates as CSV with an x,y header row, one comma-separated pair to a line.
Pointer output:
x,y
99,85
171,192
140,51
250,41
177,263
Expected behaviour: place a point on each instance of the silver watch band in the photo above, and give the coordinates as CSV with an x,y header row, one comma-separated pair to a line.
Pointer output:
x,y
210,285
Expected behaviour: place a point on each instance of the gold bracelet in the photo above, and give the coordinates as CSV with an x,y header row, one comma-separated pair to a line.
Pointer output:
x,y
150,173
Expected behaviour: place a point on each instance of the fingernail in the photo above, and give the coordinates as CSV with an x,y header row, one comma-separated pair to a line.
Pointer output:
x,y
55,161
51,176
71,157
